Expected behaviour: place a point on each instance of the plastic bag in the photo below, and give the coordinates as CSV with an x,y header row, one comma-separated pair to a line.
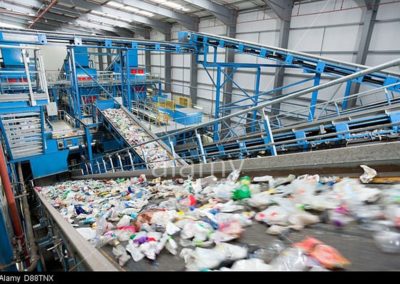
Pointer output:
x,y
171,246
290,259
124,221
274,215
270,252
368,174
388,241
329,257
233,176
232,228
253,264
259,200
172,229
135,252
120,253
280,181
268,179
201,259
301,219
392,213
276,230
87,233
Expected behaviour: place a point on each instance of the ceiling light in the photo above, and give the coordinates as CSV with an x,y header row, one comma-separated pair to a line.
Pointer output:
x,y
98,13
170,4
115,4
145,13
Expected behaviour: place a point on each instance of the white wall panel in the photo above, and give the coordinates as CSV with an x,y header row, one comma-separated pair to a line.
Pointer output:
x,y
257,26
306,40
53,57
388,10
375,59
341,38
385,36
269,38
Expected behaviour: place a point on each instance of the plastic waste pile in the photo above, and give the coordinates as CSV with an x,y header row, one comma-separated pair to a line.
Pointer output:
x,y
154,155
202,221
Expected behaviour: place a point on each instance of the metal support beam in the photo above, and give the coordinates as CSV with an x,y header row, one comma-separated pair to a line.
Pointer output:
x,y
229,58
147,53
49,24
101,63
193,75
283,9
123,32
225,15
114,23
193,78
370,12
109,59
167,67
158,25
189,22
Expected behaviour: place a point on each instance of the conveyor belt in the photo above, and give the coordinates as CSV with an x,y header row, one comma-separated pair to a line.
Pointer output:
x,y
156,154
362,126
354,243
307,61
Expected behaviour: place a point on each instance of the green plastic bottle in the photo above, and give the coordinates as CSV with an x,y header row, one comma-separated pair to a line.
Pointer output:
x,y
246,180
242,192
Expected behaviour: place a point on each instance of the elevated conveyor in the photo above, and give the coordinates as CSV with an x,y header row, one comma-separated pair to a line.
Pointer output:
x,y
204,41
129,131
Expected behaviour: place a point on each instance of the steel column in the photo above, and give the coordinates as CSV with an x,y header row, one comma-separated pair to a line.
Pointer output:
x,y
314,97
371,10
167,67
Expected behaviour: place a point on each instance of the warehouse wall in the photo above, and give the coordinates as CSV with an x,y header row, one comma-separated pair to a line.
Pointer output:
x,y
329,28
53,56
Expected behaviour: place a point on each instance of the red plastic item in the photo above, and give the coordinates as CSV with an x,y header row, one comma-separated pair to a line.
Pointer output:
x,y
137,71
328,256
192,200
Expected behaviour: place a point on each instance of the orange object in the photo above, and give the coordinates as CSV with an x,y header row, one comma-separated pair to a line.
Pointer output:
x,y
328,256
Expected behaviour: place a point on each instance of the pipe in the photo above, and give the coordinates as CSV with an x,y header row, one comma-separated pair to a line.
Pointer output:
x,y
54,2
28,222
16,222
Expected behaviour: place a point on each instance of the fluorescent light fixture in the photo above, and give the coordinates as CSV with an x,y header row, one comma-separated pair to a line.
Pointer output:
x,y
11,26
145,13
170,4
115,4
98,13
